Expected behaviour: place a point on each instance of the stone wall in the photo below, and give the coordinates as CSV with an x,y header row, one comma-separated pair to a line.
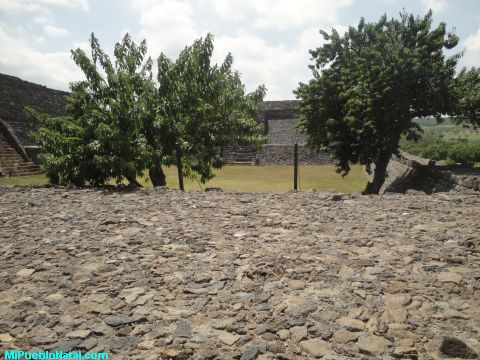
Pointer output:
x,y
283,154
16,94
407,172
278,118
284,131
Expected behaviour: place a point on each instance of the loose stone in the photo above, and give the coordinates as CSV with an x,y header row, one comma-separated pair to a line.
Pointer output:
x,y
161,273
316,347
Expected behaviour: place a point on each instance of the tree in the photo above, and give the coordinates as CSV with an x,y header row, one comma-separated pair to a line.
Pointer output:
x,y
368,86
119,123
206,107
102,136
466,90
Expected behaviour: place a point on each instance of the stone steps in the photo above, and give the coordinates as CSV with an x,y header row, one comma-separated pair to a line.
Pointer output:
x,y
12,163
238,154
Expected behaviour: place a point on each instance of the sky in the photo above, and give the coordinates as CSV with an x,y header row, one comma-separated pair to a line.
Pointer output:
x,y
269,39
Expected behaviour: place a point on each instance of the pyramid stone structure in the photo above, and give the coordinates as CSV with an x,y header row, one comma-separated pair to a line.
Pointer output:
x,y
277,117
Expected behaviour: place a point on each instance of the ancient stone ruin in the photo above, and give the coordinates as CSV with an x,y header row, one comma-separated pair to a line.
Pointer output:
x,y
408,172
164,274
280,124
17,150
16,147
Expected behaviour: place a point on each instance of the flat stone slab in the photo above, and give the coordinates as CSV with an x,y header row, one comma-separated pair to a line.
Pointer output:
x,y
227,338
316,347
373,345
25,272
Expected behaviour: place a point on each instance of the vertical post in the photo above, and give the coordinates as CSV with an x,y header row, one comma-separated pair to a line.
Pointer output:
x,y
295,168
179,166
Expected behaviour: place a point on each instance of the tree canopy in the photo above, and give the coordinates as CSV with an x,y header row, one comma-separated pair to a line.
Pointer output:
x,y
368,86
120,123
466,90
206,106
101,138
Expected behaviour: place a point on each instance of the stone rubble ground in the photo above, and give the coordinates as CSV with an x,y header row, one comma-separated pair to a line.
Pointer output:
x,y
217,275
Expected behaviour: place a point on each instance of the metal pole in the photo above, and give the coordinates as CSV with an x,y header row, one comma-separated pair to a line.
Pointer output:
x,y
295,168
179,167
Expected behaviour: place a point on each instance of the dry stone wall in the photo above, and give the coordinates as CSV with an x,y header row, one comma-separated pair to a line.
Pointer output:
x,y
407,171
15,94
282,132
278,118
284,155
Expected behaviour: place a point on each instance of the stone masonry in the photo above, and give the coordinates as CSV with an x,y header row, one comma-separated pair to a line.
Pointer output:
x,y
407,171
15,94
162,274
278,118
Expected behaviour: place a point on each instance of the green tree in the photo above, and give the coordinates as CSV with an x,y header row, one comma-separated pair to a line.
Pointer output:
x,y
466,89
119,122
369,84
102,137
206,107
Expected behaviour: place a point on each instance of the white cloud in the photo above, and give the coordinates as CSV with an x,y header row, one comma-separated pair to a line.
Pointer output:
x,y
472,50
282,14
435,5
40,5
44,18
278,67
54,31
81,4
39,40
54,69
167,25
234,11
279,14
261,63
18,5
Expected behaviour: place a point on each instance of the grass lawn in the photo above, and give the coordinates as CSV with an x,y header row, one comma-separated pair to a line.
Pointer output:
x,y
246,178
24,180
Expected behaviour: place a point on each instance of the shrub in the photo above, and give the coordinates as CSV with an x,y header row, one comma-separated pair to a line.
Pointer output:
x,y
464,154
428,147
438,151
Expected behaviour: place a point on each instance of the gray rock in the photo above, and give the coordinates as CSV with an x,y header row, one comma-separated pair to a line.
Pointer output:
x,y
453,347
373,345
183,329
65,345
351,324
118,320
227,338
316,347
249,353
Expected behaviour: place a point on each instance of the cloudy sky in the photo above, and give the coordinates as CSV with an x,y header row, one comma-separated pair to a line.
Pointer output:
x,y
269,39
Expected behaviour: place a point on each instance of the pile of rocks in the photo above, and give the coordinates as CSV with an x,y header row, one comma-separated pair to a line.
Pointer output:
x,y
216,275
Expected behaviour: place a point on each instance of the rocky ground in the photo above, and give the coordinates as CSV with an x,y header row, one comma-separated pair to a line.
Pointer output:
x,y
216,275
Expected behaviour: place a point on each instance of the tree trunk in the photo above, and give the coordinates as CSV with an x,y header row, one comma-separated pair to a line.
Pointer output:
x,y
133,182
379,175
157,176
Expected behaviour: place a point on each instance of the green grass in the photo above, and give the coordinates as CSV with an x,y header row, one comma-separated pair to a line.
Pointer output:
x,y
248,178
24,180
448,131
